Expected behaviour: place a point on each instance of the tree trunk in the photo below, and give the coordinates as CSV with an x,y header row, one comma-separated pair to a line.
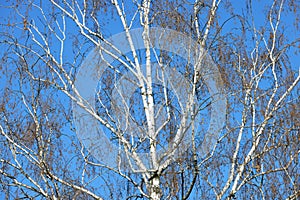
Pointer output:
x,y
155,190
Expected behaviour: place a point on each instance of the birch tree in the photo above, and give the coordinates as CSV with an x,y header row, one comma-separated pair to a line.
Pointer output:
x,y
149,99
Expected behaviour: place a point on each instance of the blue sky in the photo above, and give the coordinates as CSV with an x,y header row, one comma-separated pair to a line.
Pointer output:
x,y
113,26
